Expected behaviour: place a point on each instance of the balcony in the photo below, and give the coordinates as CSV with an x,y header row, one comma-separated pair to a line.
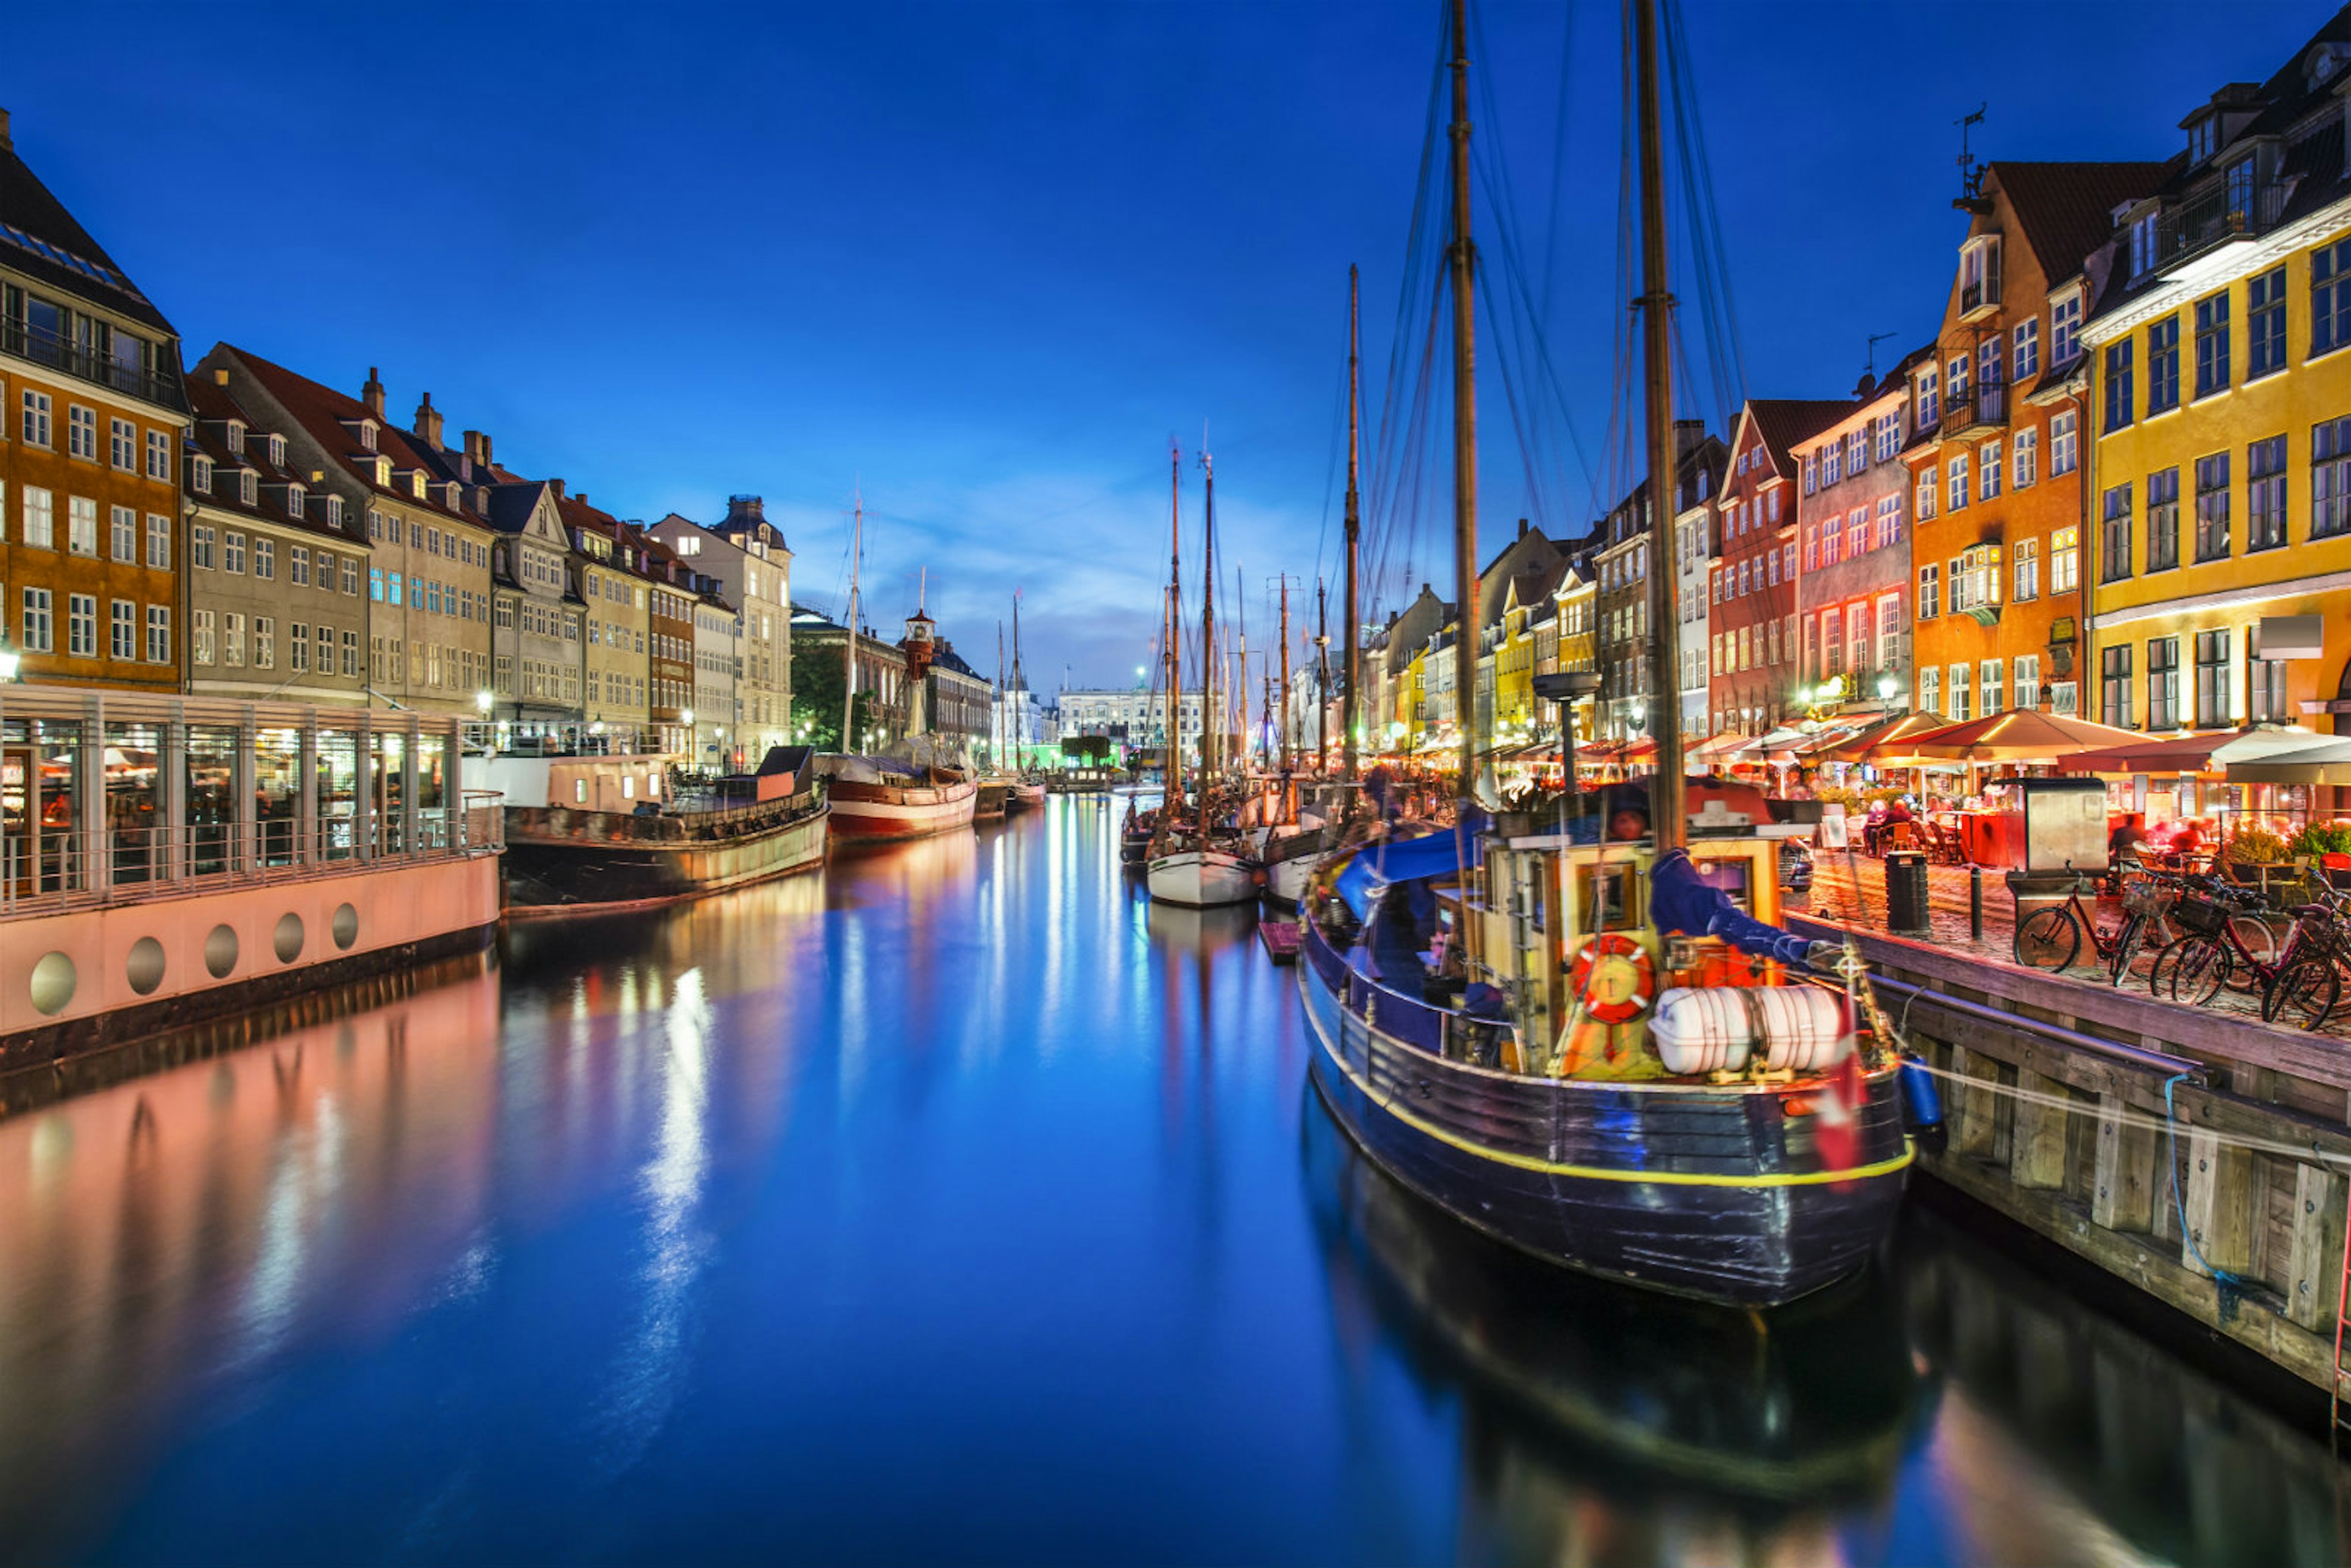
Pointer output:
x,y
1980,297
1981,408
2230,211
46,348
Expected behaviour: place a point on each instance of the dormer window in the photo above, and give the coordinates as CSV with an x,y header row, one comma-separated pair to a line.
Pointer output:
x,y
367,435
200,474
1980,274
248,486
2200,139
334,511
277,451
453,495
295,501
383,466
2142,244
237,438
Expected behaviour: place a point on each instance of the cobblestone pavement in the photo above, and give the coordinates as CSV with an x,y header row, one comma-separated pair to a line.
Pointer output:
x,y
1851,891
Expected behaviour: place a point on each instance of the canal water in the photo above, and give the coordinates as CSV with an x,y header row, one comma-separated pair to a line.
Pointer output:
x,y
957,1204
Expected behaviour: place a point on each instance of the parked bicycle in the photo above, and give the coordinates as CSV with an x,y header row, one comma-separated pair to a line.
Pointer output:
x,y
2300,982
2051,937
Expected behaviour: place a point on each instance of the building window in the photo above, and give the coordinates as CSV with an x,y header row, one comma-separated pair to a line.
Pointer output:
x,y
82,432
233,638
1927,487
1889,629
35,428
2163,365
200,474
159,634
2028,458
1989,684
159,542
265,642
1930,691
1959,484
1926,398
297,647
36,632
2114,685
2330,297
2066,329
2265,493
350,579
159,455
1889,520
2064,559
82,525
2330,478
1831,642
2028,682
2028,572
122,535
2115,536
2211,679
265,558
2212,507
1930,592
2163,520
2026,343
122,444
2163,683
297,565
1987,471
2212,344
2265,685
2064,450
233,551
122,628
200,546
1856,532
248,486
2265,324
2118,384
202,634
351,652
1961,710
82,625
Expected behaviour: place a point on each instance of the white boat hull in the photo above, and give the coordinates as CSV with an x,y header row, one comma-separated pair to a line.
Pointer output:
x,y
877,813
1202,879
1286,881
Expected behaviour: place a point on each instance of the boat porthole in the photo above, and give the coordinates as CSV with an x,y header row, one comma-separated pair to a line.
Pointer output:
x,y
345,925
143,967
53,984
289,937
220,952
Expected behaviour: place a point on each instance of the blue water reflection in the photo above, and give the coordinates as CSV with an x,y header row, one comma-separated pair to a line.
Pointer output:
x,y
957,1204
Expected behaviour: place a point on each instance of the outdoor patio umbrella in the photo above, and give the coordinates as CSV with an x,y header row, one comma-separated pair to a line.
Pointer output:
x,y
2206,753
2024,735
2322,762
1720,748
1888,732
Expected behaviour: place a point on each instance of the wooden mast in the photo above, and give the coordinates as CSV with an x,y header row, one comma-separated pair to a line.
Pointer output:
x,y
1212,718
1666,791
1321,678
1461,259
1285,679
1172,767
849,686
1349,718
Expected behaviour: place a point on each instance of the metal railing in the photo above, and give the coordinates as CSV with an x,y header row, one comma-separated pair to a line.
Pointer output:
x,y
1978,405
62,867
46,348
2219,215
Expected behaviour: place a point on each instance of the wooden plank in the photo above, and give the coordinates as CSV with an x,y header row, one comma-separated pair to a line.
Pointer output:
x,y
1975,1120
2122,1195
2314,1263
2037,1153
2221,1209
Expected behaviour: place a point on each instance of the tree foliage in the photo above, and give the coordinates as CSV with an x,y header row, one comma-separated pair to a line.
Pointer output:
x,y
817,684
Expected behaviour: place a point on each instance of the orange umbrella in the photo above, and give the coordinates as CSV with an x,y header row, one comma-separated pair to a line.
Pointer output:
x,y
1892,734
2025,735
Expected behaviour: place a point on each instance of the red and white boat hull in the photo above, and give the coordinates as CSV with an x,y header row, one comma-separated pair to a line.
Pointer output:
x,y
877,813
1202,879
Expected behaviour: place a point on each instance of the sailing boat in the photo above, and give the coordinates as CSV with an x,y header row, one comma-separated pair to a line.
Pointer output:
x,y
1028,790
1605,1052
1194,860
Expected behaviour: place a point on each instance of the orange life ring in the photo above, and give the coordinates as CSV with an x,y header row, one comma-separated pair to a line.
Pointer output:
x,y
1612,977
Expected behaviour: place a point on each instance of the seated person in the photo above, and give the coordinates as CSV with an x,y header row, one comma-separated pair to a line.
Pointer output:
x,y
2127,836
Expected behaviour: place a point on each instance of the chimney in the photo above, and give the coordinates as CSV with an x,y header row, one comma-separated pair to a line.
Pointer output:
x,y
5,143
428,423
581,497
556,486
477,447
372,394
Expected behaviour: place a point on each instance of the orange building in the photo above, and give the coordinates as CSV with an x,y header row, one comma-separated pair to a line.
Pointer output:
x,y
92,420
1996,468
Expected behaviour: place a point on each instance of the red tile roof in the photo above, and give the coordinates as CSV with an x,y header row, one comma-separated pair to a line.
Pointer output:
x,y
2066,210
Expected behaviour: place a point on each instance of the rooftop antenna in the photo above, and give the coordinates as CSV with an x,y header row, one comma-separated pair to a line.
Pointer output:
x,y
1970,173
1876,339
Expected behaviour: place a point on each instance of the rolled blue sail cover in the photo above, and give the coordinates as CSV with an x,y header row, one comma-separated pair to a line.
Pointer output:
x,y
1684,904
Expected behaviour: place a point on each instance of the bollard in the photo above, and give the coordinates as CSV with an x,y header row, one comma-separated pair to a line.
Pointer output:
x,y
1975,902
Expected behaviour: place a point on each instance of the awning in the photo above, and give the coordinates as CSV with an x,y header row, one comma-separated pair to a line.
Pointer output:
x,y
1373,869
1724,745
2021,735
2323,762
2210,752
1857,747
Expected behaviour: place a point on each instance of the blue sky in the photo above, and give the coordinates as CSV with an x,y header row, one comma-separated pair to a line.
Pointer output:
x,y
986,259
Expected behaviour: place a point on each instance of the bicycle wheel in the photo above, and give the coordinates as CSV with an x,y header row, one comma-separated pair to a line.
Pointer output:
x,y
2260,943
2048,938
2191,971
2130,943
2303,993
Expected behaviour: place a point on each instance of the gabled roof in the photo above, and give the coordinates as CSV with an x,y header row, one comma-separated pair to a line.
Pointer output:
x,y
40,239
2065,211
1783,421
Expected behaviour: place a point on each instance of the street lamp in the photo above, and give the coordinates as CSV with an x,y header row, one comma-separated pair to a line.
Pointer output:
x,y
9,660
482,702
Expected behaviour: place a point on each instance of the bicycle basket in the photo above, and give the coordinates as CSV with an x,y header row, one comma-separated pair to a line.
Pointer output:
x,y
2200,916
2143,897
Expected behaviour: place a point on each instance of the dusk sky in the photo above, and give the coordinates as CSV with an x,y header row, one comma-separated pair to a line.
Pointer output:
x,y
984,260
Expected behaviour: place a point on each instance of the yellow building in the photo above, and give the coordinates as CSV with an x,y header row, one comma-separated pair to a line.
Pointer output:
x,y
1576,609
2218,523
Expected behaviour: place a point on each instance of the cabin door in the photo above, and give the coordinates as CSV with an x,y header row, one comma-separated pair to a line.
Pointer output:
x,y
20,823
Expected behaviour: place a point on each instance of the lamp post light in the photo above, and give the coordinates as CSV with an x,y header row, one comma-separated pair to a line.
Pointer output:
x,y
10,659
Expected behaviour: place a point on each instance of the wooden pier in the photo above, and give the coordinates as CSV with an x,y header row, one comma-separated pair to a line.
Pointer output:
x,y
2067,1100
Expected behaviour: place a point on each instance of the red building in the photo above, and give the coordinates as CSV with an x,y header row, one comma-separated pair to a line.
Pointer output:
x,y
1752,645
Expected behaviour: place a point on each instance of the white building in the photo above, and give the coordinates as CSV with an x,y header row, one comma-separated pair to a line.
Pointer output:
x,y
720,743
1131,717
745,553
